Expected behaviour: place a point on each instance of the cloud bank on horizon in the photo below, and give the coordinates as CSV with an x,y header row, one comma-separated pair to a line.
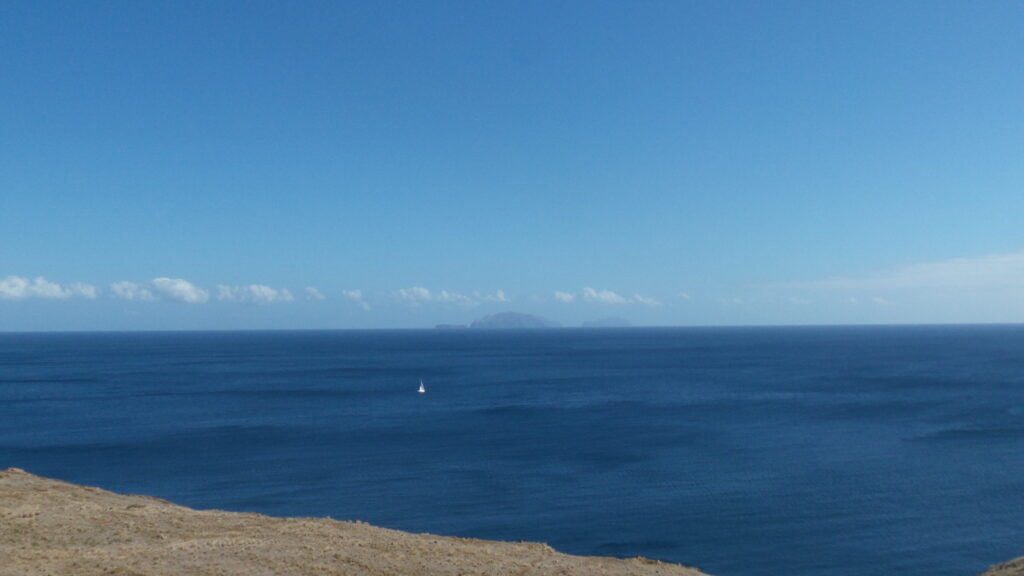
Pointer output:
x,y
593,295
999,276
254,293
983,272
20,288
988,288
418,295
172,289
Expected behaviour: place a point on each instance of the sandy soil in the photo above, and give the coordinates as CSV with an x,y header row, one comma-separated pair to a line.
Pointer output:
x,y
48,527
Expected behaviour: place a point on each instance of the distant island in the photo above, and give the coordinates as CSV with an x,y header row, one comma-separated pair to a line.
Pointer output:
x,y
504,321
513,321
613,322
520,321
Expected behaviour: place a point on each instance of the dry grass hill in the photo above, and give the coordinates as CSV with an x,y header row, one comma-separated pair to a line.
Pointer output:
x,y
52,528
48,527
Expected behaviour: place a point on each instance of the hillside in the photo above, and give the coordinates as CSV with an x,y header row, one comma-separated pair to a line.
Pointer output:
x,y
52,527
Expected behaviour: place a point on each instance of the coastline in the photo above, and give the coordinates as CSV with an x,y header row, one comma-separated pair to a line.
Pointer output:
x,y
52,527
49,526
1012,568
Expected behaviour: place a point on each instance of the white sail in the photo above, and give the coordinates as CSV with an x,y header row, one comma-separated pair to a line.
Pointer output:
x,y
422,390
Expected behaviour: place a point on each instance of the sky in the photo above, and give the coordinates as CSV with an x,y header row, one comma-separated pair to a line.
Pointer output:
x,y
288,165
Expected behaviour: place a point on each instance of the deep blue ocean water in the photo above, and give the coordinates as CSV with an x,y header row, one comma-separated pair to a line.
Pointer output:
x,y
744,451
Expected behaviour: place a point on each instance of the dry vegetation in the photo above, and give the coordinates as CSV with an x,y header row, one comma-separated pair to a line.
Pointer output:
x,y
48,527
1011,568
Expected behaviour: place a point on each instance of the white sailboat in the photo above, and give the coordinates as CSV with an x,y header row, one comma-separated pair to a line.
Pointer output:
x,y
422,390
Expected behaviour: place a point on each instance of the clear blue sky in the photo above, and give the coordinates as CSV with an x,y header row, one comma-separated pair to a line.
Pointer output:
x,y
168,165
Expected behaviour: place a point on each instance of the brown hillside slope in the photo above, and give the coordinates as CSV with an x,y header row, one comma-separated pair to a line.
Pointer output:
x,y
52,527
1011,568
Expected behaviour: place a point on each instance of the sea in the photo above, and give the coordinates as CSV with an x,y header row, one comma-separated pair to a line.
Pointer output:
x,y
840,451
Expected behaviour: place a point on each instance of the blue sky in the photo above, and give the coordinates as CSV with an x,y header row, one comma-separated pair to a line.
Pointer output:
x,y
190,165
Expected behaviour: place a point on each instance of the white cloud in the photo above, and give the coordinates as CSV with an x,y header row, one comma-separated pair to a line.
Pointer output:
x,y
19,288
415,294
498,296
645,300
418,295
175,289
254,293
132,291
356,296
84,290
992,271
455,298
606,297
179,290
603,296
684,296
314,294
565,297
